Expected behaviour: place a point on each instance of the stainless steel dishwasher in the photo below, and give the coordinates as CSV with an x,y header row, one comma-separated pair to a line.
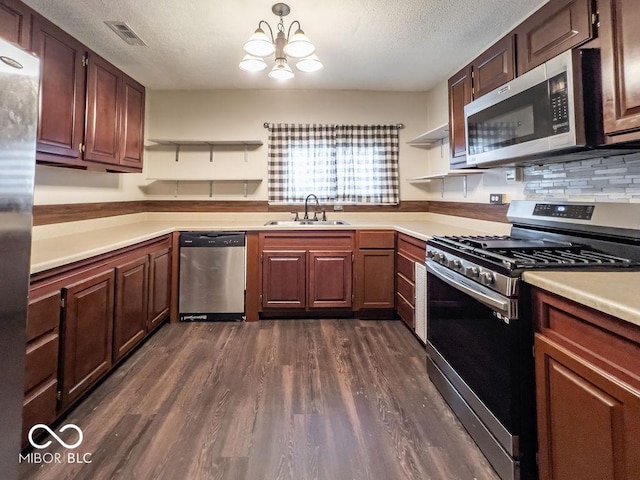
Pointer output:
x,y
212,276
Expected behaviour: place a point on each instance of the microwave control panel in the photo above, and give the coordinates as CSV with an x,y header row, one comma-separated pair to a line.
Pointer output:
x,y
559,99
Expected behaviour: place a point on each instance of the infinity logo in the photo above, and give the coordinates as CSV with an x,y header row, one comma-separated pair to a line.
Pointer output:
x,y
52,433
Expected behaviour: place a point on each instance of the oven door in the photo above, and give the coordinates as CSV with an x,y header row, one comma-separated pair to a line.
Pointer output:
x,y
479,361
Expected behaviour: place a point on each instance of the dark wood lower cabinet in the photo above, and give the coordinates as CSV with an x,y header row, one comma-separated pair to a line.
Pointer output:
x,y
410,250
588,420
159,287
588,392
87,316
330,279
87,334
131,313
375,273
306,271
41,362
284,279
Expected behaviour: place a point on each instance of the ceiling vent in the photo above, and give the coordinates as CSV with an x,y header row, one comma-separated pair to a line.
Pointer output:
x,y
125,32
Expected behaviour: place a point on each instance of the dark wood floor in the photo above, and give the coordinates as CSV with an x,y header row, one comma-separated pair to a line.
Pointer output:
x,y
296,399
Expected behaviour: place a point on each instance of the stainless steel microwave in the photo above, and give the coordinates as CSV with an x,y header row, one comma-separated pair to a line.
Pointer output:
x,y
553,110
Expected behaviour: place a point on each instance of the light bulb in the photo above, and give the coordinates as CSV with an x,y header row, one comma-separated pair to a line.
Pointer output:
x,y
281,71
309,64
259,44
252,64
299,45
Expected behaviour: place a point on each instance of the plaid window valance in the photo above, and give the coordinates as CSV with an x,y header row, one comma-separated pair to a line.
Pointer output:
x,y
338,163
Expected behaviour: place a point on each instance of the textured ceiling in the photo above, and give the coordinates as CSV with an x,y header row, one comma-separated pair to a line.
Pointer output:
x,y
402,45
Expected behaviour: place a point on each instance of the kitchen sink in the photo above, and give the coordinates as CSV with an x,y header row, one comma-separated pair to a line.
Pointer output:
x,y
293,223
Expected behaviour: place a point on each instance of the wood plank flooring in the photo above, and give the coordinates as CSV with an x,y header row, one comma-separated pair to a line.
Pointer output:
x,y
277,399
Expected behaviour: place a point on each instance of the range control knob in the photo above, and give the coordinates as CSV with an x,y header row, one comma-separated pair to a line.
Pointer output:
x,y
441,258
455,263
486,278
473,272
431,254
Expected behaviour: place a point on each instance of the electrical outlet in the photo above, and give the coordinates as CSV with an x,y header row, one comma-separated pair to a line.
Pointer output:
x,y
337,208
496,198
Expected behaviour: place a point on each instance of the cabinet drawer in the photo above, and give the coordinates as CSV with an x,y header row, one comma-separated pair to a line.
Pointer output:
x,y
41,362
605,341
405,267
405,288
376,239
412,247
43,315
405,310
40,407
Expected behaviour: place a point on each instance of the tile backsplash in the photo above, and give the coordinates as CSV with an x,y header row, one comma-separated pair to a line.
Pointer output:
x,y
611,179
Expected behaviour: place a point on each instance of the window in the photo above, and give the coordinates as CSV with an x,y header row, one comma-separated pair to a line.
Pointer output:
x,y
338,163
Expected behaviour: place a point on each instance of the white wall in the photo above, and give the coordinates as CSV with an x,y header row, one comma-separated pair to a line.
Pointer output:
x,y
239,115
234,115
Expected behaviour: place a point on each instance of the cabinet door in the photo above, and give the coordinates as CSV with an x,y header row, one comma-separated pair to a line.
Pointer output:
x,y
87,326
460,94
620,50
587,419
15,22
62,94
284,279
130,320
494,67
375,279
132,126
103,112
159,287
558,26
330,279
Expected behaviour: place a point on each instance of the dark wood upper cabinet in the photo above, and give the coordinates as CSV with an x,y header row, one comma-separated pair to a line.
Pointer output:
x,y
91,113
114,117
460,93
132,123
62,94
620,54
103,112
15,22
558,26
494,67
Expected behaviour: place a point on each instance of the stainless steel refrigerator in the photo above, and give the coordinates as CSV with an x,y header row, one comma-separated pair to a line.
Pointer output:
x,y
19,74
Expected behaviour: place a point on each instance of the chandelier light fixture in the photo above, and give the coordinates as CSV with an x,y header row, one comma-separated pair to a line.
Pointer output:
x,y
296,46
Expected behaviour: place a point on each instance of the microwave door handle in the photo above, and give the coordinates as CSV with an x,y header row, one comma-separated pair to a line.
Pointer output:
x,y
502,306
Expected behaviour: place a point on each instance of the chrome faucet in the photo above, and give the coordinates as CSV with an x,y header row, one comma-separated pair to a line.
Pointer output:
x,y
315,214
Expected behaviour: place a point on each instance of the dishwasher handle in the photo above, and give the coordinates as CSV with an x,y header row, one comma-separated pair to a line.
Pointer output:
x,y
212,239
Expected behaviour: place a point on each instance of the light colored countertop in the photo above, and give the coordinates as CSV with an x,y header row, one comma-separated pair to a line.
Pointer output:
x,y
61,244
615,293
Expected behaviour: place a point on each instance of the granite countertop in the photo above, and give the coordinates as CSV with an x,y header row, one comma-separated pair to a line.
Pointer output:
x,y
615,293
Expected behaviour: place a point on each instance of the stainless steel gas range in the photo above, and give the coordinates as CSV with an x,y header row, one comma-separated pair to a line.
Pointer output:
x,y
479,333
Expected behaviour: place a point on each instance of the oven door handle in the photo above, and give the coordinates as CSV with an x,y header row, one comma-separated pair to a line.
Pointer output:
x,y
492,300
